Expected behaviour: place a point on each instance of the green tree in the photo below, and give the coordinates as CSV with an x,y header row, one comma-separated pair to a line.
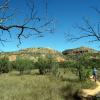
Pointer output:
x,y
23,65
44,65
83,67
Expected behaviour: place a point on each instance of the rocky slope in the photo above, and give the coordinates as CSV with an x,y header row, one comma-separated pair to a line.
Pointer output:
x,y
79,50
33,54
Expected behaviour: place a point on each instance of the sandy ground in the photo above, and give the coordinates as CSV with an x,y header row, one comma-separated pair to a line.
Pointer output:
x,y
92,92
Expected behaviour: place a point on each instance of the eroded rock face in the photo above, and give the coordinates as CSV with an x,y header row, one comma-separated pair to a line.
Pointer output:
x,y
33,54
79,50
12,58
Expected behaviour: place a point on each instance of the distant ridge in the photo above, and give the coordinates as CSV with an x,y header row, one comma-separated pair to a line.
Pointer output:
x,y
33,53
80,50
33,50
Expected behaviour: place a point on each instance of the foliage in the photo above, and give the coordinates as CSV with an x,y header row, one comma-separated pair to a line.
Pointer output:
x,y
55,67
23,65
4,65
44,65
80,65
13,65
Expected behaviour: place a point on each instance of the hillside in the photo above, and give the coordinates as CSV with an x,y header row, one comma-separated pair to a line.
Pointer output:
x,y
33,54
79,50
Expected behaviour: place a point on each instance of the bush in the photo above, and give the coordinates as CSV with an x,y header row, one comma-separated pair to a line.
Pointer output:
x,y
55,67
13,65
23,65
44,65
88,84
79,67
4,65
71,92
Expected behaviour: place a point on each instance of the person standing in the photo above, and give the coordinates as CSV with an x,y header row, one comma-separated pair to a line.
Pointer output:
x,y
94,74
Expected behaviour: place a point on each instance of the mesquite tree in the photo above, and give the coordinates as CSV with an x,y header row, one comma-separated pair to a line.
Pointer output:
x,y
4,65
87,29
33,22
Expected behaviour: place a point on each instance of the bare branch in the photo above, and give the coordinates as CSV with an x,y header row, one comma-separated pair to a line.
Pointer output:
x,y
32,23
78,38
3,41
4,5
89,31
97,10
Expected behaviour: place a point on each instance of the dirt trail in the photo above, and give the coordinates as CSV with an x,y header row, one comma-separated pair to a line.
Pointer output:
x,y
92,92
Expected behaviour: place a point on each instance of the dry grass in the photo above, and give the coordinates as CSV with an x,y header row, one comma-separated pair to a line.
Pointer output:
x,y
28,87
36,87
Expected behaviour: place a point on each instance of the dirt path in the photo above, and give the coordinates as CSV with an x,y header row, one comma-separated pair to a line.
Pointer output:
x,y
92,92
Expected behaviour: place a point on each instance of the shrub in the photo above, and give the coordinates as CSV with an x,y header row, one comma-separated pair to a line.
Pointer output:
x,y
71,92
4,65
13,65
23,65
79,67
55,67
44,65
83,68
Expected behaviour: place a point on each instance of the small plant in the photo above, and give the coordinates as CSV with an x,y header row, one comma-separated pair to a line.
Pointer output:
x,y
55,67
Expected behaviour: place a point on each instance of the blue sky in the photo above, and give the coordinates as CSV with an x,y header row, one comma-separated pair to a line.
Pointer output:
x,y
67,13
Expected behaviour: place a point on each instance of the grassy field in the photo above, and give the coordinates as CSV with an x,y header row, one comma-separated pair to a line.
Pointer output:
x,y
40,87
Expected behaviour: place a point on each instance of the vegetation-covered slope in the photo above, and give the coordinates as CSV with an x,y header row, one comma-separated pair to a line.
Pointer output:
x,y
33,53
